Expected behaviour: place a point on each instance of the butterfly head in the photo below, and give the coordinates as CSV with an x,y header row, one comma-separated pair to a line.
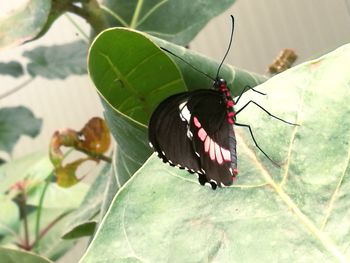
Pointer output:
x,y
220,85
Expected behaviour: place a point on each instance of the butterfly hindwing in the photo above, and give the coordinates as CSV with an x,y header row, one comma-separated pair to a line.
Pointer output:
x,y
213,137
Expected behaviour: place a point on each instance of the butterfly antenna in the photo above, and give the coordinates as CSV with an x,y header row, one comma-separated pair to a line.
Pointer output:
x,y
229,46
189,64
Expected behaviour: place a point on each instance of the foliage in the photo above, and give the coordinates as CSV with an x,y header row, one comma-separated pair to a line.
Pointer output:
x,y
139,209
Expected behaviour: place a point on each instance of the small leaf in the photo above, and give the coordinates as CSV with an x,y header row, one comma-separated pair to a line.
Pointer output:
x,y
298,212
14,122
85,218
95,137
9,255
12,68
58,197
177,21
24,23
66,175
58,62
35,167
9,216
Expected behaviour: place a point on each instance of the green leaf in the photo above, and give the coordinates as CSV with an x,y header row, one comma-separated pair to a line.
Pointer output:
x,y
51,245
129,91
85,218
58,197
9,216
23,23
35,167
131,84
177,21
12,68
14,122
298,212
58,61
237,79
9,255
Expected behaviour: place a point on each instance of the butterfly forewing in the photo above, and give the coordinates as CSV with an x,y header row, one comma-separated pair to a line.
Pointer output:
x,y
168,134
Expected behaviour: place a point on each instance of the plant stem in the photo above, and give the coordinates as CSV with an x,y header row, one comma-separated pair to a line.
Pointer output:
x,y
91,12
22,206
76,25
96,156
15,89
40,206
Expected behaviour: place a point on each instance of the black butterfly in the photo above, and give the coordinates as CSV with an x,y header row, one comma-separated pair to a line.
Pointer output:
x,y
194,131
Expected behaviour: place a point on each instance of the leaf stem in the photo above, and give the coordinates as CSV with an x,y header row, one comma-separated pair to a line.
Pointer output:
x,y
15,89
114,15
91,12
136,15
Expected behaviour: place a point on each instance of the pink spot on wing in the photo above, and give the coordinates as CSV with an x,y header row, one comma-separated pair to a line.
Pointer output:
x,y
212,150
218,154
226,154
202,134
196,122
207,144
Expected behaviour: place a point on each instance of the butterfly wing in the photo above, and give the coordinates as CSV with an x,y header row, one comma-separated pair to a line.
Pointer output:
x,y
213,139
168,134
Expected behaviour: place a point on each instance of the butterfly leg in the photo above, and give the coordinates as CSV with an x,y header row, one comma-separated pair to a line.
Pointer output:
x,y
290,123
256,144
245,89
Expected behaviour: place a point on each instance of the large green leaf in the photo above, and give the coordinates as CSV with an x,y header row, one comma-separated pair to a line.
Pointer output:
x,y
57,61
298,212
129,91
9,255
14,122
24,23
178,21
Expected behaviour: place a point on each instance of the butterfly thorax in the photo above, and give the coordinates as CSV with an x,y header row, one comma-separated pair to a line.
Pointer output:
x,y
221,86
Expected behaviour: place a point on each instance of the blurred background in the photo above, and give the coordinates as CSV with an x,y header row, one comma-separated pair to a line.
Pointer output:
x,y
263,28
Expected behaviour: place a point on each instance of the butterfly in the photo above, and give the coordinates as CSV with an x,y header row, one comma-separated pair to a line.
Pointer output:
x,y
195,130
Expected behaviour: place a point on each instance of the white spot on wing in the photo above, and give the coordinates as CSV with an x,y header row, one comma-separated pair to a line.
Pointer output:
x,y
189,134
150,144
184,112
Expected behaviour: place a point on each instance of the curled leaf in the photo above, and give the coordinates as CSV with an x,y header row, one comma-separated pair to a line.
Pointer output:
x,y
66,175
94,137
